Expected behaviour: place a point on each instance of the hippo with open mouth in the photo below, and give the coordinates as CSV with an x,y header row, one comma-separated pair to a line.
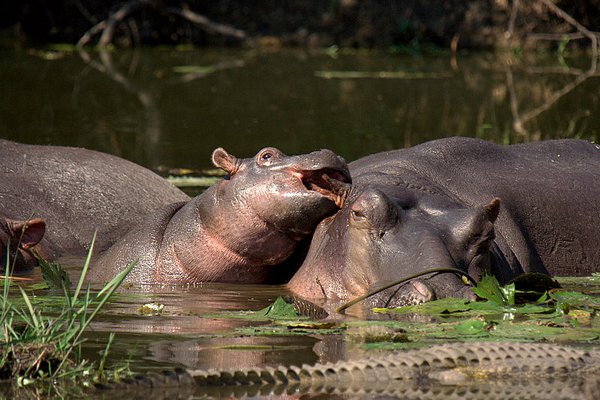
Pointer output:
x,y
239,229
457,203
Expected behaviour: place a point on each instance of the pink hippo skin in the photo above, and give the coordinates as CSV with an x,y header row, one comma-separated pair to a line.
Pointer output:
x,y
239,229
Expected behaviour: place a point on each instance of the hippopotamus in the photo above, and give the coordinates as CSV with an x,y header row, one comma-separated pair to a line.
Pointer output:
x,y
53,199
237,230
17,238
458,203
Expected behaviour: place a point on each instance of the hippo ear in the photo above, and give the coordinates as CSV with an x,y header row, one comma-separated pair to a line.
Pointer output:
x,y
492,209
225,161
481,225
26,233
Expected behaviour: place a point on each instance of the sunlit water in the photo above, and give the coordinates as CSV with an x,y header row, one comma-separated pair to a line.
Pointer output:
x,y
142,106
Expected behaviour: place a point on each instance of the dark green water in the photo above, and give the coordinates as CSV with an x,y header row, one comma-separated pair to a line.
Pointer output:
x,y
137,105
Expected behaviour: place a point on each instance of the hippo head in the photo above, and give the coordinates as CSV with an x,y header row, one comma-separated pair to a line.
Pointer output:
x,y
16,241
292,194
378,237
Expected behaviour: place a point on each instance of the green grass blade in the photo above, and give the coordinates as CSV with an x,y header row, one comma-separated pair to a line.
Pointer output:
x,y
34,319
103,297
111,338
85,268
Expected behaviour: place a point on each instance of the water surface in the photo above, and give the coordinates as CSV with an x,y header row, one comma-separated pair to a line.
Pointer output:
x,y
137,105
172,108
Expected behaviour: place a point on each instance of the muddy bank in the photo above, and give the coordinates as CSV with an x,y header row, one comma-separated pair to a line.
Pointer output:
x,y
408,24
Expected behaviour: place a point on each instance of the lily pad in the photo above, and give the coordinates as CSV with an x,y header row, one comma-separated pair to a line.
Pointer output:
x,y
473,327
445,306
452,307
568,300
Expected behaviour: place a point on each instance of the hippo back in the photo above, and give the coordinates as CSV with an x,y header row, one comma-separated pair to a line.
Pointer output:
x,y
78,191
549,193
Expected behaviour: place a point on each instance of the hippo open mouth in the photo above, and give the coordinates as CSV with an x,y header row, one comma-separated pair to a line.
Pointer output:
x,y
333,184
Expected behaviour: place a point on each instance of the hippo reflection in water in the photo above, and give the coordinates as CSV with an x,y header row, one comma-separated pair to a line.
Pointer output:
x,y
461,203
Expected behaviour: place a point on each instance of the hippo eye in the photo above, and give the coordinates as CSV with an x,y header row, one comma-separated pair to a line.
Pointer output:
x,y
268,155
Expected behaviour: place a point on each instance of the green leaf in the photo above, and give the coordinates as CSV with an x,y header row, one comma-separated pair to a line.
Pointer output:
x,y
279,310
472,327
55,276
567,300
489,289
445,306
508,293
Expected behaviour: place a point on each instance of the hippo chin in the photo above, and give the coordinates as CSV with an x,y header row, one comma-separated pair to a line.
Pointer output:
x,y
53,199
239,228
457,203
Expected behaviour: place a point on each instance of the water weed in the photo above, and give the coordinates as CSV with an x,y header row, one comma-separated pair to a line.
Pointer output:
x,y
36,345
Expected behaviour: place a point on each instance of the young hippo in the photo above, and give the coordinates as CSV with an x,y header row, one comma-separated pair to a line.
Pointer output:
x,y
239,229
457,203
53,199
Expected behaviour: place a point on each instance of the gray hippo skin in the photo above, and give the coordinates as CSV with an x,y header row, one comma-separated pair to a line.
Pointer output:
x,y
238,229
52,199
457,203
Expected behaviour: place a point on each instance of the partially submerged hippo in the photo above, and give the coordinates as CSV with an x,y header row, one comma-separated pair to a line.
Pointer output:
x,y
460,203
19,237
238,229
53,199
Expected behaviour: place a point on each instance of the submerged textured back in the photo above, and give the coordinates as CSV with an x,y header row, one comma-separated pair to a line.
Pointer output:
x,y
456,370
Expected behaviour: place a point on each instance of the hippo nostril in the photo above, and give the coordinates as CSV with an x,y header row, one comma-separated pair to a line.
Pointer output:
x,y
357,214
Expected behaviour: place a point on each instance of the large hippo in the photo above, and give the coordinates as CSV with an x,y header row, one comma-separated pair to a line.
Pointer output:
x,y
457,203
53,198
238,229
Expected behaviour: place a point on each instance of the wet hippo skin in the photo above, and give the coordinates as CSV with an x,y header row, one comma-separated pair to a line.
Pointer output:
x,y
238,230
457,203
53,198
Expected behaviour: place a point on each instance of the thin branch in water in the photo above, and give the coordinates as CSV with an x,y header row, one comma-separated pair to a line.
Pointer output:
x,y
520,119
111,22
556,36
513,17
573,22
106,28
135,32
514,104
84,11
207,24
